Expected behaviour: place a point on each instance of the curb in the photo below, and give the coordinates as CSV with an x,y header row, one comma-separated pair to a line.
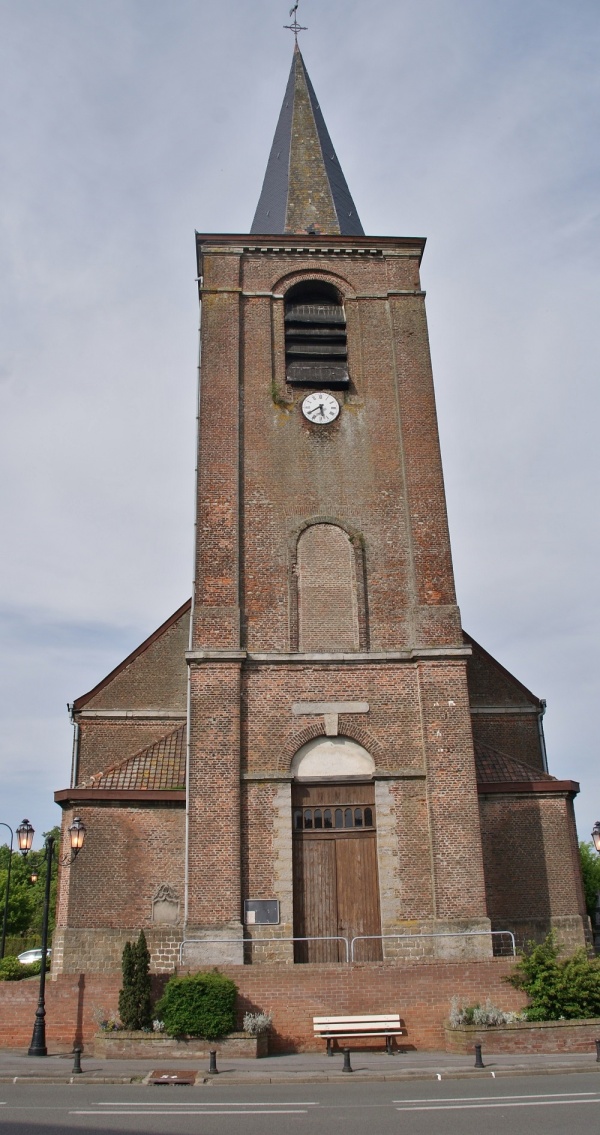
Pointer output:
x,y
315,1078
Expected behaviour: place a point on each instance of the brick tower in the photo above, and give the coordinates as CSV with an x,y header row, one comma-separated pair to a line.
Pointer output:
x,y
354,766
324,616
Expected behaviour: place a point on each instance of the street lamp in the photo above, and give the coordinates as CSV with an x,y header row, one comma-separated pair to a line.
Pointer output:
x,y
596,835
24,839
76,837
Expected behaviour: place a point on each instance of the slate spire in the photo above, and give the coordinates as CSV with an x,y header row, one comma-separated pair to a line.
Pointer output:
x,y
304,188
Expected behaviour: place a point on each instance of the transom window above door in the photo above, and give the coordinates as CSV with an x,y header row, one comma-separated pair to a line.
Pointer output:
x,y
313,819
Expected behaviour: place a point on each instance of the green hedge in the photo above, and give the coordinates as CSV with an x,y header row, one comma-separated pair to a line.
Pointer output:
x,y
11,969
200,1005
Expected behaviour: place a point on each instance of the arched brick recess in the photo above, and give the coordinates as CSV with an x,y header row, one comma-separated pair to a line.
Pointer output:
x,y
358,550
327,590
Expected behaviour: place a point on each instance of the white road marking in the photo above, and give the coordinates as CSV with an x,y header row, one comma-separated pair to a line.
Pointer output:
x,y
221,1103
194,1111
473,1106
527,1096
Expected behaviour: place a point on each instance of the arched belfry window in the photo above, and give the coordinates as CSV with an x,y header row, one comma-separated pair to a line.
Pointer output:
x,y
315,337
327,591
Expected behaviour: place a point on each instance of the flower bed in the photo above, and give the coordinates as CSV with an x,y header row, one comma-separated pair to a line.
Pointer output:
x,y
141,1046
525,1036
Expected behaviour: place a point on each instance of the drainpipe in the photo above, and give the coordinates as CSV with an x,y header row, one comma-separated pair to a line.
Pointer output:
x,y
540,721
191,642
75,752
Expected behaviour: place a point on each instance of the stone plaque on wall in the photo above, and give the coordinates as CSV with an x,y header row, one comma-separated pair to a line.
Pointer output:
x,y
165,905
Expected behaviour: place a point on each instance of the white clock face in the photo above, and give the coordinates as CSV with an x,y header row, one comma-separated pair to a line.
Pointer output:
x,y
320,408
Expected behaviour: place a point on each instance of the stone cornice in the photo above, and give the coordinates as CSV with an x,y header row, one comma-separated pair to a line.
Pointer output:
x,y
194,657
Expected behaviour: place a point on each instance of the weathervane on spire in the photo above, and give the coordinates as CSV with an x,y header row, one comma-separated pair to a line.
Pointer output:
x,y
295,27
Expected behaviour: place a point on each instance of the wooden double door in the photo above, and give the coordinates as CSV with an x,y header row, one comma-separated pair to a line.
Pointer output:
x,y
336,888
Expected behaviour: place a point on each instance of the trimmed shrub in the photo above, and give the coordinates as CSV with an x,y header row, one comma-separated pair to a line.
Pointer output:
x,y
11,969
202,1004
558,989
135,1000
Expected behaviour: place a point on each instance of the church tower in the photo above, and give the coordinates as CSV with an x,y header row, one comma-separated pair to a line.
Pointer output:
x,y
312,761
330,733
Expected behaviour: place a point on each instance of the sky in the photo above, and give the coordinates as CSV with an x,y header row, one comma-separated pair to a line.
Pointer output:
x,y
127,124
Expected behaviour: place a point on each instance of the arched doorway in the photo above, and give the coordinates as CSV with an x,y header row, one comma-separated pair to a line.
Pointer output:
x,y
334,831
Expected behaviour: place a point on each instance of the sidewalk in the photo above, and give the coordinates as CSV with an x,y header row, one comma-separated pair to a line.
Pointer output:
x,y
303,1068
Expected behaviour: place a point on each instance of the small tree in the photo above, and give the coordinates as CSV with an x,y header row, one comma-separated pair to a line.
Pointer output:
x,y
590,870
135,999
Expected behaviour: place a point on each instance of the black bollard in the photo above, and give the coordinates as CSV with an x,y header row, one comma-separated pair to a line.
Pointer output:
x,y
212,1067
598,1052
347,1066
76,1059
478,1061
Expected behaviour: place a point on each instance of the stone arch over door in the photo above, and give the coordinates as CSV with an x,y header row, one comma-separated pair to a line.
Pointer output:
x,y
334,835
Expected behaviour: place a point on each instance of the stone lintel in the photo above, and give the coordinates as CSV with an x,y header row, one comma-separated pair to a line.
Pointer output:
x,y
313,708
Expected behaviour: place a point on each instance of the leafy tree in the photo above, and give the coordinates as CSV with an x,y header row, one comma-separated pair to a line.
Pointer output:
x,y
26,899
135,1000
558,989
590,869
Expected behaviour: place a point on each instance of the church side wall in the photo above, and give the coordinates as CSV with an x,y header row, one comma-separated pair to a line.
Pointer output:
x,y
531,863
130,852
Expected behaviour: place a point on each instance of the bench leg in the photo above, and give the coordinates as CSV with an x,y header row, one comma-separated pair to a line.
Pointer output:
x,y
388,1046
329,1048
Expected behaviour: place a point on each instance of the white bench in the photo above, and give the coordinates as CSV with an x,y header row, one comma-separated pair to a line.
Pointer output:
x,y
377,1024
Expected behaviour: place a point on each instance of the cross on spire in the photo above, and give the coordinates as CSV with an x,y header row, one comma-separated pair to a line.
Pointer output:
x,y
295,27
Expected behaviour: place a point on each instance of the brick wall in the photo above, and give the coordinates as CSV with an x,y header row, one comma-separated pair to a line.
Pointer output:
x,y
421,994
532,870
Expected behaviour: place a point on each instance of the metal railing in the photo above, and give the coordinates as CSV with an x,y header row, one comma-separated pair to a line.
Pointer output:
x,y
443,934
350,943
260,941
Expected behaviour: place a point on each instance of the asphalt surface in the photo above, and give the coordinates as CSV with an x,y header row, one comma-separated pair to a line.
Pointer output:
x,y
524,1105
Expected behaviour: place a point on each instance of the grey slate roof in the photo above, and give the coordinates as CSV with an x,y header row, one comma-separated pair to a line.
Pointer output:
x,y
304,187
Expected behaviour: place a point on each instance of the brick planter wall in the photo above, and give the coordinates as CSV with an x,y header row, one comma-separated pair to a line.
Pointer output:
x,y
524,1036
138,1046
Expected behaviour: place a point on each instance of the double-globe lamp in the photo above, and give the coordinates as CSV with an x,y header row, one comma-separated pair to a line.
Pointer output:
x,y
25,835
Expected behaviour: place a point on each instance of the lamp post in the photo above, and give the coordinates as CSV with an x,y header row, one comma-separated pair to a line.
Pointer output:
x,y
76,836
24,839
596,835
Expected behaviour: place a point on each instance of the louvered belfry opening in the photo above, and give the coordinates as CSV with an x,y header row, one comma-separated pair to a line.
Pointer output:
x,y
315,337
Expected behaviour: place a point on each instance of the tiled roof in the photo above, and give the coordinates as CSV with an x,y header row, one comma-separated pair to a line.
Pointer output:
x,y
493,766
304,188
159,766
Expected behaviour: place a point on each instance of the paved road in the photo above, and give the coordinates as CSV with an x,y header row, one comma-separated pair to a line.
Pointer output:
x,y
521,1105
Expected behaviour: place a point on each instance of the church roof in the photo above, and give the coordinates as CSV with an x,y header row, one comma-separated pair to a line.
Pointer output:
x,y
492,766
160,766
304,188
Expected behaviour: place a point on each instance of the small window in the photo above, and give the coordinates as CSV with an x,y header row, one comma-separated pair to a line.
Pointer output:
x,y
318,818
348,818
327,818
368,818
339,818
358,818
315,337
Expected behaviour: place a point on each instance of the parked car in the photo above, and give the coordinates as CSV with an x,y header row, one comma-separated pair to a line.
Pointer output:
x,y
29,956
